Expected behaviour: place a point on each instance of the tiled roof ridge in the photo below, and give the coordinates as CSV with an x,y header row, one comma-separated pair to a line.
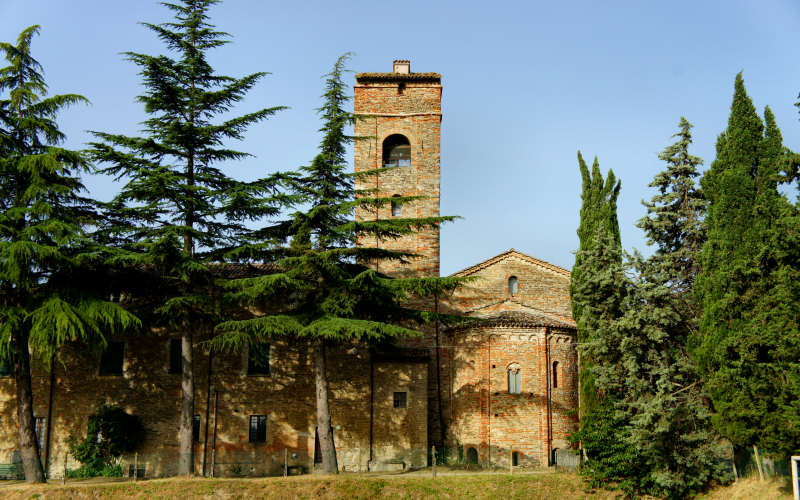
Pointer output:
x,y
551,315
513,319
497,258
398,76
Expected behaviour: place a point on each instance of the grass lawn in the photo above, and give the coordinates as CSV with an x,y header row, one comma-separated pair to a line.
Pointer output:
x,y
545,485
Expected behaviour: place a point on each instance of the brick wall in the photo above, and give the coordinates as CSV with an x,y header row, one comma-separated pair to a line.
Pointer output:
x,y
286,396
482,412
401,104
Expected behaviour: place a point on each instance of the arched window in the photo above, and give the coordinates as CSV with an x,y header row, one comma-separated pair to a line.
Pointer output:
x,y
513,285
472,456
396,151
555,374
514,379
397,207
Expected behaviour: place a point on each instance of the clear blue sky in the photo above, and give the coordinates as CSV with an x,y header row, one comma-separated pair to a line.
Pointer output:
x,y
526,84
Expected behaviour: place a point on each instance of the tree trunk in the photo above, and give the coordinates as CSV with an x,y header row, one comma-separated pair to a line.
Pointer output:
x,y
185,459
28,445
324,430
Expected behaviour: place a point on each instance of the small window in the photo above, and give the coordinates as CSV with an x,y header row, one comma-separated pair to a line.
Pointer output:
x,y
175,356
555,374
513,285
472,456
139,471
258,428
196,428
40,424
396,151
400,399
6,368
397,207
515,458
111,359
514,379
258,359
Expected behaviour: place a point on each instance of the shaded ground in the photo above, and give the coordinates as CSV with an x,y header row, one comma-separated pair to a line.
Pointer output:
x,y
418,485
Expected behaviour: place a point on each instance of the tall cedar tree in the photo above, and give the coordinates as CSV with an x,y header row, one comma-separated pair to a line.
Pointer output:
x,y
748,346
598,216
323,291
44,250
642,357
675,217
177,210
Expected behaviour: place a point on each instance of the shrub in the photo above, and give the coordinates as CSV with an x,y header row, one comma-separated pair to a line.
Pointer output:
x,y
111,432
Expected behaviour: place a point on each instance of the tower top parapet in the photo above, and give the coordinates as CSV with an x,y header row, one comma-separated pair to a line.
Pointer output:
x,y
401,71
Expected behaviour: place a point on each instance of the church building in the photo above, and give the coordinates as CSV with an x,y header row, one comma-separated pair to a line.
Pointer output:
x,y
502,391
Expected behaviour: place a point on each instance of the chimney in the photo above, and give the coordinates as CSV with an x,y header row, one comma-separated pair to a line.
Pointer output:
x,y
401,66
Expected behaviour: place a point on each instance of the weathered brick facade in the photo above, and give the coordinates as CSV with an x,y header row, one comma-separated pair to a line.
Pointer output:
x,y
528,332
409,105
448,387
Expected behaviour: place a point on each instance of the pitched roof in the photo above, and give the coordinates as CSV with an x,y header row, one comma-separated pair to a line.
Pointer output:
x,y
512,253
514,319
398,77
512,310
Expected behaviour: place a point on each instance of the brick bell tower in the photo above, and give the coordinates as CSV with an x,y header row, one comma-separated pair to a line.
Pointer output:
x,y
401,114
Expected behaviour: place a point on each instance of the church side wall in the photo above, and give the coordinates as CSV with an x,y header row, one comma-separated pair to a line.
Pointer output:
x,y
286,397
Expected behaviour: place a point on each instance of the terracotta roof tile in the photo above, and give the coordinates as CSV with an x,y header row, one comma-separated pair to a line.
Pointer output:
x,y
389,77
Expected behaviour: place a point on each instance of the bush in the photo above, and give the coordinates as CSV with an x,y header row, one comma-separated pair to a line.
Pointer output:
x,y
111,433
86,472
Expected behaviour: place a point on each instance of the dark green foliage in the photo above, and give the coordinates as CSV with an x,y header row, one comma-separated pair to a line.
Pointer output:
x,y
84,472
603,287
51,291
649,432
111,432
749,342
325,292
43,216
598,219
663,398
177,210
611,461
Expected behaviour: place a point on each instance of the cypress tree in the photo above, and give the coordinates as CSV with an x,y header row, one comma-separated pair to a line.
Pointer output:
x,y
748,347
325,292
598,217
46,258
598,291
177,210
603,288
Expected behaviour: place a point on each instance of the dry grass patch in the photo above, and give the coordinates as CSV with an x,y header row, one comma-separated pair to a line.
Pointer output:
x,y
521,486
774,489
545,485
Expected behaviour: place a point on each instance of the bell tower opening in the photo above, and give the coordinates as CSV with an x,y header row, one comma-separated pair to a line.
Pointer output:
x,y
396,151
400,115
